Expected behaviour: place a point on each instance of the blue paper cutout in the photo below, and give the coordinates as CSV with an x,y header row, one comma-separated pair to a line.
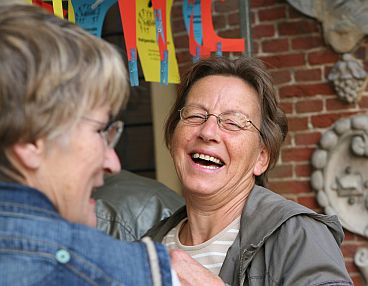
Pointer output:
x,y
195,8
90,14
133,68
164,70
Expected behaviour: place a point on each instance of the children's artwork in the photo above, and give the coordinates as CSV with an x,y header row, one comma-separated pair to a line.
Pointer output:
x,y
147,32
90,14
128,20
147,43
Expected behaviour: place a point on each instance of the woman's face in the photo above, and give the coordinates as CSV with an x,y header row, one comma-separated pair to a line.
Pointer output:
x,y
231,158
75,165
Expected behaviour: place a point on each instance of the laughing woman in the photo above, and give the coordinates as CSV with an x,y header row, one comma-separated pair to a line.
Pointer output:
x,y
224,134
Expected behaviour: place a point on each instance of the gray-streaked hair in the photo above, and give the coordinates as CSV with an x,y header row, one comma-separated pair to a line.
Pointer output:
x,y
52,72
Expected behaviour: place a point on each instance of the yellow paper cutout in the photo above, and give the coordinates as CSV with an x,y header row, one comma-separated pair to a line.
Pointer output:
x,y
58,8
71,15
147,45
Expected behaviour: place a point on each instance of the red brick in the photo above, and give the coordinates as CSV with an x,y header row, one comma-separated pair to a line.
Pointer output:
x,y
297,27
234,18
349,249
296,154
309,202
303,170
294,13
275,46
289,186
273,13
307,138
306,43
219,22
181,42
306,105
283,61
323,57
306,90
363,103
358,280
177,10
230,33
255,47
349,235
297,123
287,107
178,26
261,3
287,141
225,6
351,267
337,104
282,171
261,31
279,77
326,120
308,75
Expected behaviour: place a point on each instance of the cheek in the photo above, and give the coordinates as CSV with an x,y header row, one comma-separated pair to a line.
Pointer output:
x,y
180,140
91,154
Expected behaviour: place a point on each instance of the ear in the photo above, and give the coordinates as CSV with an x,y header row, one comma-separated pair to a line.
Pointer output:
x,y
262,162
29,155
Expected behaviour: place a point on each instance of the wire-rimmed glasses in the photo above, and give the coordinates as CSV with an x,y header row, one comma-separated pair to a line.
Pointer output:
x,y
111,133
230,120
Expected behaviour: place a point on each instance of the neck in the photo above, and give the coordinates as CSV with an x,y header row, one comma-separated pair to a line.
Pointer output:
x,y
205,220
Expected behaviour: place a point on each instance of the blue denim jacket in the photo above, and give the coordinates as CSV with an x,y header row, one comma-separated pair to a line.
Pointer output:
x,y
39,247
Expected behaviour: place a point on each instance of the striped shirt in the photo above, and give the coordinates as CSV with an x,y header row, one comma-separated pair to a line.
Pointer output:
x,y
211,253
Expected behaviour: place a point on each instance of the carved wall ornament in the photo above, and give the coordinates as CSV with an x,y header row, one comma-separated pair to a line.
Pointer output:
x,y
344,24
340,172
349,78
361,260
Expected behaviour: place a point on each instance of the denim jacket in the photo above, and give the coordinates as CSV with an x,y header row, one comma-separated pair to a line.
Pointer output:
x,y
39,247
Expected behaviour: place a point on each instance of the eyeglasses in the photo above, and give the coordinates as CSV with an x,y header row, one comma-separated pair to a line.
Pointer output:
x,y
231,120
111,133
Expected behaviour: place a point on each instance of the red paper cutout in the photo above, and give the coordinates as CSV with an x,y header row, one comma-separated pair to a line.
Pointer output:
x,y
211,39
128,21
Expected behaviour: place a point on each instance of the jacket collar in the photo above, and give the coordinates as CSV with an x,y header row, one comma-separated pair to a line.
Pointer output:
x,y
25,199
263,213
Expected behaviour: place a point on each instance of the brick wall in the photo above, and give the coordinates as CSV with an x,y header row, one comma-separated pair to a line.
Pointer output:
x,y
294,50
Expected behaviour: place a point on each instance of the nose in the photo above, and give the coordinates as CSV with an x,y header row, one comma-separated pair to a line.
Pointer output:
x,y
209,129
112,163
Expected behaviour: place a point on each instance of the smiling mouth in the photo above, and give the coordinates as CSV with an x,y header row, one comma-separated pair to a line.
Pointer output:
x,y
207,161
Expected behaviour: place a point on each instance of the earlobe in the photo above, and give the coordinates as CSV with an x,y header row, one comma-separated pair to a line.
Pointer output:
x,y
29,154
262,162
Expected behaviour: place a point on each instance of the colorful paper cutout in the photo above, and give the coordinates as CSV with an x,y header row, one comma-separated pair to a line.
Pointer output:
x,y
90,14
148,48
128,20
211,40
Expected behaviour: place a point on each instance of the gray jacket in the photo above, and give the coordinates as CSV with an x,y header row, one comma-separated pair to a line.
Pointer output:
x,y
128,205
279,243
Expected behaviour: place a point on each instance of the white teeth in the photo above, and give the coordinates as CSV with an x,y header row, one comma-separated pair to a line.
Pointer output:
x,y
207,158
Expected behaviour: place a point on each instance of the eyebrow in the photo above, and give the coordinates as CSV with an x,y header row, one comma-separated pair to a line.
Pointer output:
x,y
231,110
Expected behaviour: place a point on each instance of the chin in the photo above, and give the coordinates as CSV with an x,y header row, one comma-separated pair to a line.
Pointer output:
x,y
92,222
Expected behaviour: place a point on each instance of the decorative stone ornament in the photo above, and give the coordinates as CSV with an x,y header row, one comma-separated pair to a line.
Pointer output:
x,y
344,24
361,260
349,78
340,175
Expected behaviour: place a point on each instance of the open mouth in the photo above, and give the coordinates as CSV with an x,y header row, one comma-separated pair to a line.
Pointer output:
x,y
207,161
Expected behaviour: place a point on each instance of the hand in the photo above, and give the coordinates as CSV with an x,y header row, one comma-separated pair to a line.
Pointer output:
x,y
190,272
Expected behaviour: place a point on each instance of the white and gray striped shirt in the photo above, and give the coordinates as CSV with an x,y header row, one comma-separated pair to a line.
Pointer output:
x,y
211,253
